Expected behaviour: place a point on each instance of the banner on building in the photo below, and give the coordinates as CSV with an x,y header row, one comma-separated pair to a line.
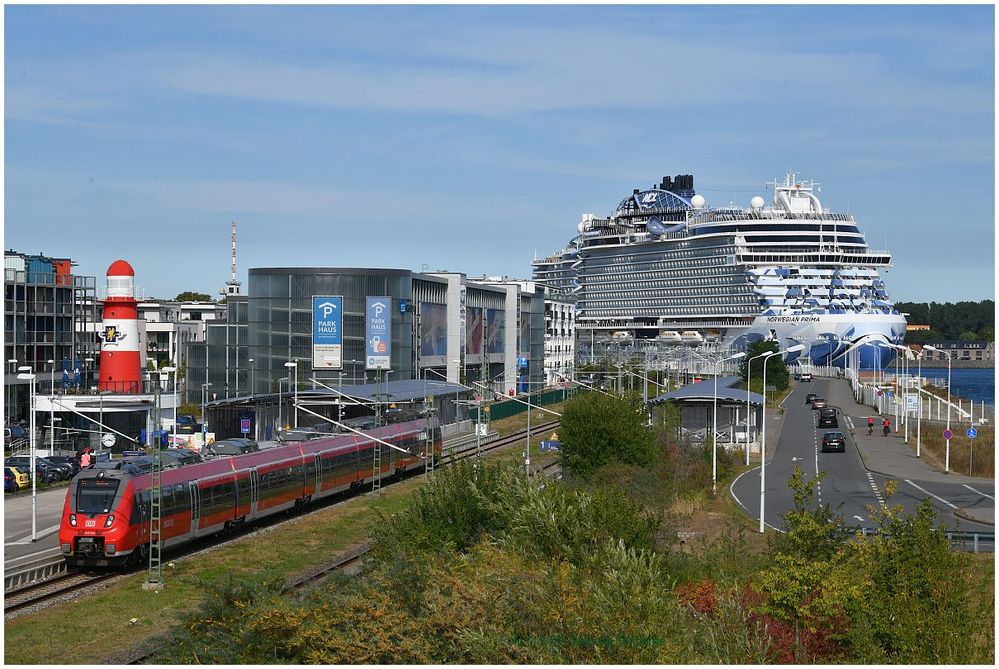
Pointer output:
x,y
327,332
378,333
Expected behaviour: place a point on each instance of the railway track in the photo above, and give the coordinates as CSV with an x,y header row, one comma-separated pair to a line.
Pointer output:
x,y
60,587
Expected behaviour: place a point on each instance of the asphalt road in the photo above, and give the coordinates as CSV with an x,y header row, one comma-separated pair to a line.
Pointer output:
x,y
847,486
18,546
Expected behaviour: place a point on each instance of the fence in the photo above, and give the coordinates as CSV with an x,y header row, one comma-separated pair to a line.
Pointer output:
x,y
505,409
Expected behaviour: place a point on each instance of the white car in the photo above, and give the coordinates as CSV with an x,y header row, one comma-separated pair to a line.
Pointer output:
x,y
806,376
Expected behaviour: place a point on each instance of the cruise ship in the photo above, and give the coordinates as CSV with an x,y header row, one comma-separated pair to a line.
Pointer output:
x,y
666,267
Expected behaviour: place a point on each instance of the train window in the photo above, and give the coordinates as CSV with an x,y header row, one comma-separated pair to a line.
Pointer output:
x,y
95,495
167,505
243,491
181,498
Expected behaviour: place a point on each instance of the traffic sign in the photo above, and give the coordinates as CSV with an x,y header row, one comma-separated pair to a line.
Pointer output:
x,y
948,434
972,433
244,425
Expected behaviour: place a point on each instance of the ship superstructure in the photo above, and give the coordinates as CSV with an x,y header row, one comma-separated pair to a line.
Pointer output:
x,y
665,266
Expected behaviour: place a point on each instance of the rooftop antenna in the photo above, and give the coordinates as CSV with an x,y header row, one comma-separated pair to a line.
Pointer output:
x,y
232,286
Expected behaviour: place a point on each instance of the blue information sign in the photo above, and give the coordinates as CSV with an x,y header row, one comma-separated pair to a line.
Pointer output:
x,y
972,433
378,333
327,332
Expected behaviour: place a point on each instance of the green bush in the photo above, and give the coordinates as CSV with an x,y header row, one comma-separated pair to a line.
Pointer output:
x,y
598,429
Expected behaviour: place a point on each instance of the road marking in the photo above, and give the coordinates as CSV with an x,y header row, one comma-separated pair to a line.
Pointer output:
x,y
978,492
38,535
941,499
860,519
849,422
877,491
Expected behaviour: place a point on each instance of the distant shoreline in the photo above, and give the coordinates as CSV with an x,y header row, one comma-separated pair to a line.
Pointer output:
x,y
968,364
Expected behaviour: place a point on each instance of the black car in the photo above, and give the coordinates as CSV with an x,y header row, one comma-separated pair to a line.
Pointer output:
x,y
827,418
179,457
222,449
66,460
810,397
833,441
245,445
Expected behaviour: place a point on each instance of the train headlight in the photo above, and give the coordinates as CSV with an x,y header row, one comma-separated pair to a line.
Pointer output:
x,y
72,520
110,549
107,523
67,548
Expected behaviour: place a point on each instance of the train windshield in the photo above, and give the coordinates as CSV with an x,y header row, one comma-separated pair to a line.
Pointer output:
x,y
95,495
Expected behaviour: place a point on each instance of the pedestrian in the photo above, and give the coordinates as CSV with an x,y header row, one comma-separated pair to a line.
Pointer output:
x,y
85,459
886,426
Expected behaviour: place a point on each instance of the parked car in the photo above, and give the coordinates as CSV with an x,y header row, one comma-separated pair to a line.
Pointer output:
x,y
810,397
8,482
67,460
247,445
20,476
44,472
827,418
65,470
222,449
178,457
806,376
819,403
833,441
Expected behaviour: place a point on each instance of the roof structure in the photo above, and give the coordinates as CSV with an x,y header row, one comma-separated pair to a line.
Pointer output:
x,y
404,390
705,391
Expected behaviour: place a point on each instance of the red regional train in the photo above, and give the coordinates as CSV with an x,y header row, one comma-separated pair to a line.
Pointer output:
x,y
105,519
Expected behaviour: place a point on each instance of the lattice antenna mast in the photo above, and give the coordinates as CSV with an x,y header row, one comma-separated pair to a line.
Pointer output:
x,y
232,286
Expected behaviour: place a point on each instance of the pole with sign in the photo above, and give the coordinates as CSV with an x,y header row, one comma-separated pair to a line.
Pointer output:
x,y
327,332
972,433
378,333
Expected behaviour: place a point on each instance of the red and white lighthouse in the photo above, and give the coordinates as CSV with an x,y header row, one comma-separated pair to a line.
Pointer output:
x,y
120,369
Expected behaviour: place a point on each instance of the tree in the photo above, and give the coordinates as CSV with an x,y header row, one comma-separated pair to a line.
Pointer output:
x,y
598,429
191,296
777,374
987,333
968,335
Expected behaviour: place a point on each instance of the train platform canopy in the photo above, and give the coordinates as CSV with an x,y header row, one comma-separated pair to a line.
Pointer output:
x,y
405,390
705,391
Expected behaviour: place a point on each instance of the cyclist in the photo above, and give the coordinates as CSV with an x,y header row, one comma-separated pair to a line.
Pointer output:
x,y
870,425
886,426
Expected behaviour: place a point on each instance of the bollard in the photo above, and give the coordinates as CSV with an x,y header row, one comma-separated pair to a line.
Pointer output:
x,y
975,542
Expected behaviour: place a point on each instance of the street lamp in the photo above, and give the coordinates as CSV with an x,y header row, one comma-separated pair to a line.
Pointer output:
x,y
946,353
27,375
763,431
250,361
714,429
87,362
168,370
295,366
749,385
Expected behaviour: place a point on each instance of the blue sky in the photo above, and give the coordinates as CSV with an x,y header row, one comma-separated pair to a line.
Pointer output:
x,y
468,137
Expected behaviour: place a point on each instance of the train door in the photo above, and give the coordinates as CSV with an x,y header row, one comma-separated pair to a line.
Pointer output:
x,y
195,507
254,491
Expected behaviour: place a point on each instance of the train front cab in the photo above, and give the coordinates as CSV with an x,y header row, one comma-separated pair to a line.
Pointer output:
x,y
97,526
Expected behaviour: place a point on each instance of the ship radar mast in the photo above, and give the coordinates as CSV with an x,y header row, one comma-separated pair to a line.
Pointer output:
x,y
796,197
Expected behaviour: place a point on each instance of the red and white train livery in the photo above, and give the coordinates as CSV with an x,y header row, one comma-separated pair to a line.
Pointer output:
x,y
106,516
